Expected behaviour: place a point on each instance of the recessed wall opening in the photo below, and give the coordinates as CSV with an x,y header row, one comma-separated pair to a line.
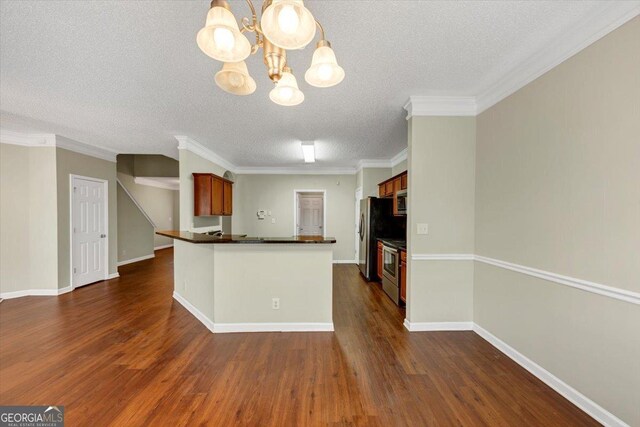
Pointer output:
x,y
310,207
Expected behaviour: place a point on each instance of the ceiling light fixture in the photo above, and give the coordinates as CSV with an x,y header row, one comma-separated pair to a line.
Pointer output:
x,y
284,25
309,152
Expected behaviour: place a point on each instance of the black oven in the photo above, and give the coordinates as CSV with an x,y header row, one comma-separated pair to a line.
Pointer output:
x,y
390,272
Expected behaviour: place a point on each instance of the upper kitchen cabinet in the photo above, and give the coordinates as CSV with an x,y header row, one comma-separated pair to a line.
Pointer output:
x,y
212,195
392,185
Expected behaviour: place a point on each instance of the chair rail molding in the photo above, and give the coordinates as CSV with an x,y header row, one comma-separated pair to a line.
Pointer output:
x,y
585,285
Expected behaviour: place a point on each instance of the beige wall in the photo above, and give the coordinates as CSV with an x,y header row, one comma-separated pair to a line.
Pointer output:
x,y
135,232
28,224
558,189
441,194
192,163
275,193
67,163
400,167
371,177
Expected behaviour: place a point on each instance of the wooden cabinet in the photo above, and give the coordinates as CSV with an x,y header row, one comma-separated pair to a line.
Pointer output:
x,y
379,263
391,186
403,276
212,195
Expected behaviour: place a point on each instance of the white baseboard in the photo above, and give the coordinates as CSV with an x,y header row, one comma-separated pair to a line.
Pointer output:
x,y
437,326
594,410
250,327
193,310
157,248
113,276
35,293
132,260
272,327
344,261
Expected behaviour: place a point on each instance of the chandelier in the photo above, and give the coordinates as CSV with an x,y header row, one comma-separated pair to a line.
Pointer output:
x,y
284,25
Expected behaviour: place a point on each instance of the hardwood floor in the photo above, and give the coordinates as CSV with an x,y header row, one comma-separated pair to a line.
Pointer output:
x,y
123,352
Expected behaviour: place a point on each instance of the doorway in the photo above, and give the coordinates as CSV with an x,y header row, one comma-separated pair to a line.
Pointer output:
x,y
89,230
310,212
357,224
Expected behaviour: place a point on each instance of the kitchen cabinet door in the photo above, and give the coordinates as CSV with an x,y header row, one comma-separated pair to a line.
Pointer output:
x,y
403,181
379,263
202,194
403,281
381,190
227,198
217,196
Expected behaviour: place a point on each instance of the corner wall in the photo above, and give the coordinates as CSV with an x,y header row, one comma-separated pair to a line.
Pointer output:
x,y
558,189
441,165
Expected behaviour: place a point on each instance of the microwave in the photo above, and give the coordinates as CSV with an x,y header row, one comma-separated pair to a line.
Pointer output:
x,y
400,201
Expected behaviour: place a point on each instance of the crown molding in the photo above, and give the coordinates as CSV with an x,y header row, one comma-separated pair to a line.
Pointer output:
x,y
86,149
400,157
294,171
599,23
52,140
27,139
441,106
186,143
374,163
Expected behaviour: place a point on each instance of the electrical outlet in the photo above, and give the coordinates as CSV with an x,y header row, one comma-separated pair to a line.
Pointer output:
x,y
423,228
275,303
273,220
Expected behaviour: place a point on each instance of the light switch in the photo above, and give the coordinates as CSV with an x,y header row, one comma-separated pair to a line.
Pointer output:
x,y
273,220
423,228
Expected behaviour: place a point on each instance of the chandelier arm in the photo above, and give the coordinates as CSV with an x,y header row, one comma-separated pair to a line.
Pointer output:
x,y
321,29
253,12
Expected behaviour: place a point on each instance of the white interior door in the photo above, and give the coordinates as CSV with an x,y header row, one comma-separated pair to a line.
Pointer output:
x,y
310,215
88,230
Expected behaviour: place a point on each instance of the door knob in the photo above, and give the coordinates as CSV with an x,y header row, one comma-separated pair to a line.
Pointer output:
x,y
102,236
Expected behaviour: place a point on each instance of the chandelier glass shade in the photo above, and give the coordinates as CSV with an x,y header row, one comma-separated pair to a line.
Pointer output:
x,y
234,78
221,38
285,25
286,92
288,24
324,70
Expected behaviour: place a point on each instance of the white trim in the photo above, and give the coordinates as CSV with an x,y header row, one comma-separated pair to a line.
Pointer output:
x,y
272,327
157,248
324,210
28,140
295,171
437,326
594,410
35,293
585,285
86,149
374,163
135,202
186,143
194,311
400,157
600,22
105,184
345,261
113,275
166,183
52,140
132,260
596,288
442,257
441,106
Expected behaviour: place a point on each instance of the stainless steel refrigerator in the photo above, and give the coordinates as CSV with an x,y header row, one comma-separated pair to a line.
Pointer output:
x,y
377,221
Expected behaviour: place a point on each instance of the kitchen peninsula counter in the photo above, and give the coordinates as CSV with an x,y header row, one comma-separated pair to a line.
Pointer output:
x,y
191,237
235,283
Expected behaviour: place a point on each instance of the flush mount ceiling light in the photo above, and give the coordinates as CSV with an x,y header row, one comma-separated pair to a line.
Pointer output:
x,y
309,152
284,25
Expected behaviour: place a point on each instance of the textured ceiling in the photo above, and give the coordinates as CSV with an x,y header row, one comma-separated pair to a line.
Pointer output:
x,y
127,75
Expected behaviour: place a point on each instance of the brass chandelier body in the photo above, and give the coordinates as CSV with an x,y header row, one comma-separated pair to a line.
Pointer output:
x,y
284,25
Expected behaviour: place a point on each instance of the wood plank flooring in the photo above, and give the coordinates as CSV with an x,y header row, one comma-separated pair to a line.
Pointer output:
x,y
124,353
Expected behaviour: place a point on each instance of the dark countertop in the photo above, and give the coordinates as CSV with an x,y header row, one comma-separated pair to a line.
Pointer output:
x,y
190,237
394,243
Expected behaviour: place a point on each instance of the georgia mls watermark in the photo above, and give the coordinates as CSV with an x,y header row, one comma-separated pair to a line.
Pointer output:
x,y
31,416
